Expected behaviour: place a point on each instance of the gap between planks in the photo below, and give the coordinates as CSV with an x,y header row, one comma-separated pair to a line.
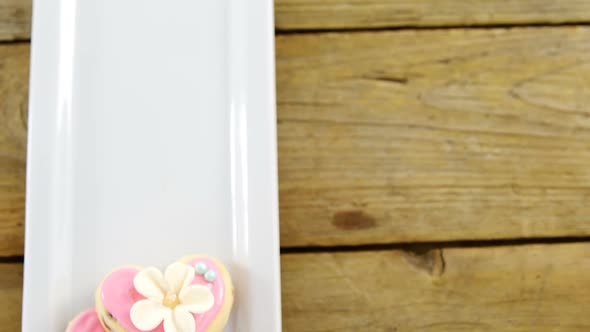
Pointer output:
x,y
425,246
285,32
408,247
351,30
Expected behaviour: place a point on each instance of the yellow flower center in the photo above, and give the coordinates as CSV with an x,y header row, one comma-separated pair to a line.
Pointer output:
x,y
171,300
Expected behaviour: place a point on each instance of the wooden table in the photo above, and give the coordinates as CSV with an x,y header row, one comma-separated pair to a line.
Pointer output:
x,y
434,162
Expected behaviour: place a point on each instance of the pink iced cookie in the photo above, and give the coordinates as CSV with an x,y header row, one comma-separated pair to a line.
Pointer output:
x,y
194,294
87,321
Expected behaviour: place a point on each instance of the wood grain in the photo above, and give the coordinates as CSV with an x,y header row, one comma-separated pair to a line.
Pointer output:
x,y
433,135
15,20
14,64
511,289
11,280
354,14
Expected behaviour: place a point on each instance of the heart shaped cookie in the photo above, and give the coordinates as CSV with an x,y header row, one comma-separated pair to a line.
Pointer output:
x,y
194,294
87,321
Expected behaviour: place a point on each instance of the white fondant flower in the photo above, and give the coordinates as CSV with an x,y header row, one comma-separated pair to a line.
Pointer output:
x,y
169,298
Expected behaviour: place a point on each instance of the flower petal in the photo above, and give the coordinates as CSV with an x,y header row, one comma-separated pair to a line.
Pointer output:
x,y
147,314
178,275
150,283
179,320
196,298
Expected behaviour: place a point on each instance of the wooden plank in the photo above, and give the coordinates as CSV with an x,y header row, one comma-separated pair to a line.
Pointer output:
x,y
15,20
433,135
15,15
11,279
487,138
510,289
14,64
513,288
354,14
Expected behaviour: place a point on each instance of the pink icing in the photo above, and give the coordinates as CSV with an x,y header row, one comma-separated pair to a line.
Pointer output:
x,y
118,296
86,322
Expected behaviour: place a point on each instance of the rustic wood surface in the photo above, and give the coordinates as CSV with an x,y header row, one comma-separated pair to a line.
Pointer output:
x,y
11,280
410,135
14,64
15,19
354,14
516,288
433,135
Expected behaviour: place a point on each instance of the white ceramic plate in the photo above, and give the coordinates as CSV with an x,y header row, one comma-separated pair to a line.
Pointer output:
x,y
151,136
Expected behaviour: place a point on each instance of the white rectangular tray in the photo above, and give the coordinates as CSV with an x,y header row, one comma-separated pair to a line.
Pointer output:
x,y
151,136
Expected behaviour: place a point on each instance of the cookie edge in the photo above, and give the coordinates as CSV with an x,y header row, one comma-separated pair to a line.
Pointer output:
x,y
222,317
